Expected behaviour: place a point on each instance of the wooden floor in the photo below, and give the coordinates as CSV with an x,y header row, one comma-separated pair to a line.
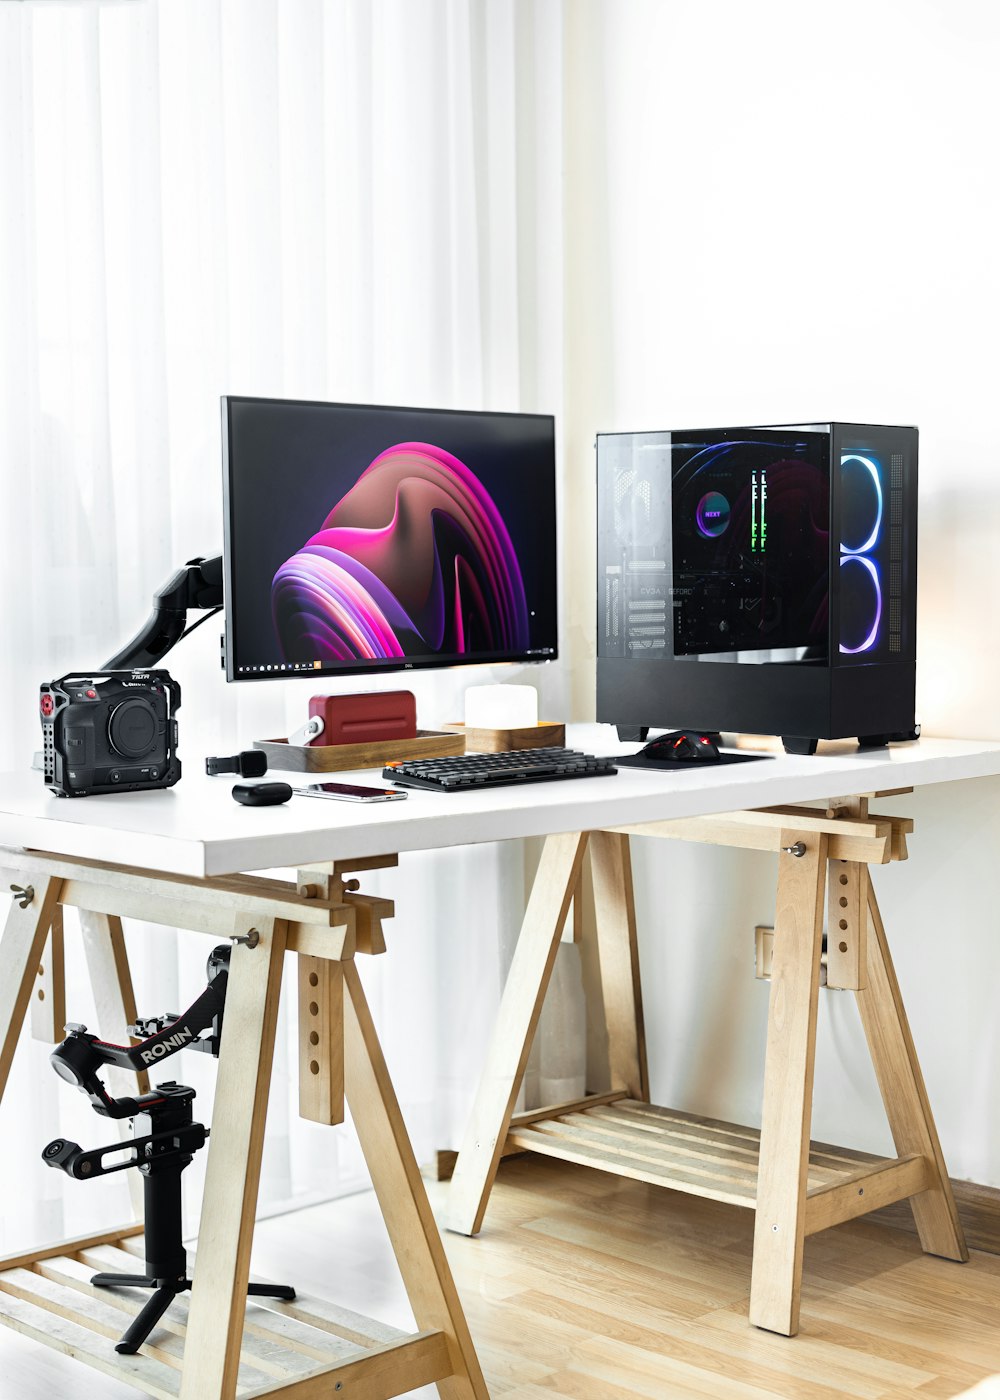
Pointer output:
x,y
586,1286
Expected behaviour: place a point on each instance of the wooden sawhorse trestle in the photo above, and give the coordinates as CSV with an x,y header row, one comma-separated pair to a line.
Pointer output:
x,y
217,1347
795,1187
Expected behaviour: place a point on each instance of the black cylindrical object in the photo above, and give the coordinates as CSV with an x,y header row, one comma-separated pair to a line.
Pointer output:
x,y
166,1257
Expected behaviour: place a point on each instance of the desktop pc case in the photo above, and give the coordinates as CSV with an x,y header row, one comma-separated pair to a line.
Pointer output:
x,y
761,580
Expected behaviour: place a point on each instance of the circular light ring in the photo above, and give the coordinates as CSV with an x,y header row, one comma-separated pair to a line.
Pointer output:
x,y
712,515
870,640
870,542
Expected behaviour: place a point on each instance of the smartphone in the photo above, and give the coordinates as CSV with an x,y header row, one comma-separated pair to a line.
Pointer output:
x,y
350,792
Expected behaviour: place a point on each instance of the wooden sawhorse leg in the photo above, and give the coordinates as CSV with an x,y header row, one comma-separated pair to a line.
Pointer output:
x,y
556,882
114,998
618,955
520,1007
903,1093
48,995
401,1196
21,949
786,1210
779,1230
219,1291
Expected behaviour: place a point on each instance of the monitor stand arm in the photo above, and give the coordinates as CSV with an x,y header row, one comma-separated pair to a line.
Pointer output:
x,y
198,584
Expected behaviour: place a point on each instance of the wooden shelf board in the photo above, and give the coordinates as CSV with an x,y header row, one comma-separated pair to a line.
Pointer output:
x,y
682,1151
287,1347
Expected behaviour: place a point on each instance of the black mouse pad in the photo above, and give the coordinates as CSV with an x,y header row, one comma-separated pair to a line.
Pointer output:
x,y
675,766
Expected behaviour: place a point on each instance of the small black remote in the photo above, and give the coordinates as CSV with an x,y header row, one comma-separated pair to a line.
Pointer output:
x,y
261,794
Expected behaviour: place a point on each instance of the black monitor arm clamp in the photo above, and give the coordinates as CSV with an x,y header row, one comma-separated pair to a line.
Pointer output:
x,y
197,584
165,1138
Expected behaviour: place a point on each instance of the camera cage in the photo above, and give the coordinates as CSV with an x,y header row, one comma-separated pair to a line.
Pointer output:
x,y
54,700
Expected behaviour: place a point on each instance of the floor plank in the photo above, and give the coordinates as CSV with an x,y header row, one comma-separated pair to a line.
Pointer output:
x,y
589,1287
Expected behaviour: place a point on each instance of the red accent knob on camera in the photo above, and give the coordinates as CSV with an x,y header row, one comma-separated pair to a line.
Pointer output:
x,y
47,704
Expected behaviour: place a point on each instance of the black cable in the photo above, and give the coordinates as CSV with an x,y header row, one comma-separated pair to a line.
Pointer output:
x,y
187,632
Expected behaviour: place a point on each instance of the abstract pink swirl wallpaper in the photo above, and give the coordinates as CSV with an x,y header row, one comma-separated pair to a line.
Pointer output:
x,y
367,538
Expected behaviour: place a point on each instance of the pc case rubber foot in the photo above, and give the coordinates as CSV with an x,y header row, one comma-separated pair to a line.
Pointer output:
x,y
632,733
879,741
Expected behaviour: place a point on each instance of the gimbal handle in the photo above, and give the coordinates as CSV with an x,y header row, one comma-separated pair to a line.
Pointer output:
x,y
175,1146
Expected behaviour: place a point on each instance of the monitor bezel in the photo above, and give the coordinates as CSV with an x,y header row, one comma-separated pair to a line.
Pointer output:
x,y
337,671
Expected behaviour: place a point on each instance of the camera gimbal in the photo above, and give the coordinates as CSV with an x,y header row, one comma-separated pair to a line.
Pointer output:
x,y
165,1138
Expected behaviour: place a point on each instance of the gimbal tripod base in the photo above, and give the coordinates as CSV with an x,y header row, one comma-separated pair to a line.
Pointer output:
x,y
164,1157
166,1290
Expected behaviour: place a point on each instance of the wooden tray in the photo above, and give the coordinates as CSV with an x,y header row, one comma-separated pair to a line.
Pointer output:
x,y
333,758
533,736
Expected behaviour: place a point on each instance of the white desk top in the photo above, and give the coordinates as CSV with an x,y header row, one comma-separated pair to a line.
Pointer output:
x,y
197,829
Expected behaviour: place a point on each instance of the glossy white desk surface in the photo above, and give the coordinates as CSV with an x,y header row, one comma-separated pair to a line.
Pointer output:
x,y
196,828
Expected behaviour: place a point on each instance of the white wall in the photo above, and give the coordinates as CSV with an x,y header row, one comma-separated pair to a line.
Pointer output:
x,y
777,212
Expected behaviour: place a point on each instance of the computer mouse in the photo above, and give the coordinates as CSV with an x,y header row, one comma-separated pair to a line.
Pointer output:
x,y
682,746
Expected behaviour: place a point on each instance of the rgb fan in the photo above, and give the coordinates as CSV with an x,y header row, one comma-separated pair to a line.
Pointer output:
x,y
861,531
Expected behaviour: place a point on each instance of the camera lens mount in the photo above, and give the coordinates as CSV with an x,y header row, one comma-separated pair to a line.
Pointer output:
x,y
133,727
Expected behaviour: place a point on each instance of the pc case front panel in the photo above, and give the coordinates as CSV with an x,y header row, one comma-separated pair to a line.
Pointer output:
x,y
875,518
873,617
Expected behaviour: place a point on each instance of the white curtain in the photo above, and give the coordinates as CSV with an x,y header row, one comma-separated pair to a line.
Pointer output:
x,y
341,200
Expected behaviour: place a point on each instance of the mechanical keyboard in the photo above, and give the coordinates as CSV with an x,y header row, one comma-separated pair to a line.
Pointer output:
x,y
478,770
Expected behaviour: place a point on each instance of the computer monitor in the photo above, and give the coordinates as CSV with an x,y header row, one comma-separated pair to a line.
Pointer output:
x,y
361,539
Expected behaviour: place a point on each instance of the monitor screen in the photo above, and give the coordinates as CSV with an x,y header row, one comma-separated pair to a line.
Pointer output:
x,y
363,538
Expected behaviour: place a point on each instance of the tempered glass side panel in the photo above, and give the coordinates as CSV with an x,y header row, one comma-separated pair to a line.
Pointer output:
x,y
751,538
713,546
